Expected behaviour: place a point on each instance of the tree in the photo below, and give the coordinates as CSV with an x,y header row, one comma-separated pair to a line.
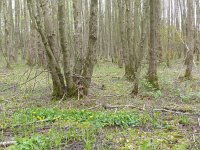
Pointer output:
x,y
189,40
142,45
91,49
78,66
152,70
66,53
46,32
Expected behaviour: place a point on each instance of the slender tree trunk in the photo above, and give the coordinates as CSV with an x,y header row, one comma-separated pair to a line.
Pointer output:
x,y
65,51
46,35
17,26
152,71
13,52
90,57
131,41
190,40
78,66
7,49
142,46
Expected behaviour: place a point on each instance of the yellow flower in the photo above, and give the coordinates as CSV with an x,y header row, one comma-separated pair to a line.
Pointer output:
x,y
39,118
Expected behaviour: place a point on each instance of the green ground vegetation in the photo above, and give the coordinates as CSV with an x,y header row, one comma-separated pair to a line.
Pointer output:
x,y
108,118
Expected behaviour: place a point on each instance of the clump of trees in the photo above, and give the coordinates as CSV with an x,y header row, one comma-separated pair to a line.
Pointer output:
x,y
69,36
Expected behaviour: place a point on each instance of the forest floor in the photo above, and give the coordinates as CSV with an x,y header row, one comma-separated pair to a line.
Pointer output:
x,y
109,118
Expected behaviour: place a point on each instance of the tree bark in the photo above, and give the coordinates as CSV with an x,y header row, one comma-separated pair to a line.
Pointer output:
x,y
91,50
152,71
142,46
53,65
64,48
190,40
78,66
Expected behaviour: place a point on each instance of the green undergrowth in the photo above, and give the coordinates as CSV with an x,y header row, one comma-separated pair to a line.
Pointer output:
x,y
47,128
66,126
31,119
96,119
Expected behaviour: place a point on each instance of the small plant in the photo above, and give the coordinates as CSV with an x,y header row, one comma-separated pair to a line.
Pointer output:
x,y
150,90
183,120
36,142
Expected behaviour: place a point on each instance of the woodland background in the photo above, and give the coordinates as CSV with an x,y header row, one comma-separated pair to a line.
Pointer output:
x,y
99,74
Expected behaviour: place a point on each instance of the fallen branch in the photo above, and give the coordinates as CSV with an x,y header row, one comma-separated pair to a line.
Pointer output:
x,y
106,106
114,95
120,106
8,143
171,111
27,124
62,98
80,76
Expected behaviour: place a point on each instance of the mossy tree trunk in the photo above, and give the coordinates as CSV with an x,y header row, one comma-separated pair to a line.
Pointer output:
x,y
91,49
152,70
78,43
142,45
71,89
190,40
45,31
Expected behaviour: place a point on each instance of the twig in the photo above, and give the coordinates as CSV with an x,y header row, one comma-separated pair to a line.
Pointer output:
x,y
78,94
194,138
144,107
16,85
35,81
62,98
8,143
114,95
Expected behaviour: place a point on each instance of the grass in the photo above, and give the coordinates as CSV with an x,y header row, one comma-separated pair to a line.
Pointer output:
x,y
29,117
46,128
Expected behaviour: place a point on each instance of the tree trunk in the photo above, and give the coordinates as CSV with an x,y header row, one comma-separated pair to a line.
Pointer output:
x,y
53,65
152,71
91,50
78,66
65,51
142,46
190,40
